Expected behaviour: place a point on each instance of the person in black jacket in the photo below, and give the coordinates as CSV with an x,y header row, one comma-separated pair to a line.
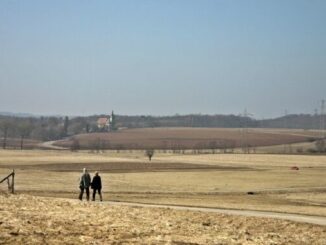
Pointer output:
x,y
97,186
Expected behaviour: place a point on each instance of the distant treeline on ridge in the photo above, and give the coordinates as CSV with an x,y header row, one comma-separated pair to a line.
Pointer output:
x,y
53,128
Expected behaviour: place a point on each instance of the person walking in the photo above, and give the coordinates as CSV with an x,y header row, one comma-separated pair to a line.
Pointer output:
x,y
84,184
97,186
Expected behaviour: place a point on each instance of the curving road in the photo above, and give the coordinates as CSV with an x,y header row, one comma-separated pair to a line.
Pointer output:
x,y
49,145
317,220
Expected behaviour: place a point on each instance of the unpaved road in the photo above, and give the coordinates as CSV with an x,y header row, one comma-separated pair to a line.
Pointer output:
x,y
318,220
49,146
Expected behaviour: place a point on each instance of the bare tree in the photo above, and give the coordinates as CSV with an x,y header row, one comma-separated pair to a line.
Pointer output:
x,y
228,146
149,153
24,130
97,145
4,127
320,145
212,145
65,126
75,145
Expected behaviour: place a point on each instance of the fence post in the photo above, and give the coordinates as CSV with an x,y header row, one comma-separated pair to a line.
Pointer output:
x,y
12,185
13,182
8,182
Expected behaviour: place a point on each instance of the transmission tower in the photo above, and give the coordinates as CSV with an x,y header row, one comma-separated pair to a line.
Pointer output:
x,y
322,118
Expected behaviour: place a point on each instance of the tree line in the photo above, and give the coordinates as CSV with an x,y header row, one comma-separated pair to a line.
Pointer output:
x,y
54,128
295,121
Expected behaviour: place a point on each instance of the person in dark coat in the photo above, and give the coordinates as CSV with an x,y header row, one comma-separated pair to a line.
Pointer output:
x,y
97,186
84,184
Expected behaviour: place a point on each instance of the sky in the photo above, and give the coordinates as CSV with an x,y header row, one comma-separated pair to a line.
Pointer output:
x,y
162,57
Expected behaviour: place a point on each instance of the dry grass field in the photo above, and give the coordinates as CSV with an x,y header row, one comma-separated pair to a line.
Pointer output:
x,y
33,216
210,180
38,220
189,138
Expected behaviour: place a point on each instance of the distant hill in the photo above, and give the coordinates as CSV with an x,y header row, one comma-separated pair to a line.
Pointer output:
x,y
180,138
295,121
47,128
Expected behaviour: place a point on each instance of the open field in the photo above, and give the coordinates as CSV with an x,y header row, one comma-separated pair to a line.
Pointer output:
x,y
190,138
38,220
211,180
33,216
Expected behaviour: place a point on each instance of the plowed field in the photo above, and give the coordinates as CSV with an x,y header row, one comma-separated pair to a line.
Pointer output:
x,y
188,138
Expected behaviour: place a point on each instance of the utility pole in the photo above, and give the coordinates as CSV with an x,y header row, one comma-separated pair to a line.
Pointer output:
x,y
315,120
285,119
322,119
245,114
244,134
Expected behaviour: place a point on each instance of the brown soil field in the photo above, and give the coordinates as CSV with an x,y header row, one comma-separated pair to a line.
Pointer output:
x,y
28,219
189,138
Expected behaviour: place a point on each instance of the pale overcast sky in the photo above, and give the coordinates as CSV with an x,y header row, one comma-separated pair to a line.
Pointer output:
x,y
162,57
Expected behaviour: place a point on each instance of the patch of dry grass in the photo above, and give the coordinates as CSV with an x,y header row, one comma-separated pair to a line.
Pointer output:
x,y
250,160
57,157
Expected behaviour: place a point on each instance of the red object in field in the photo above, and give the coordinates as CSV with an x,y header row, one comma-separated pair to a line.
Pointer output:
x,y
294,168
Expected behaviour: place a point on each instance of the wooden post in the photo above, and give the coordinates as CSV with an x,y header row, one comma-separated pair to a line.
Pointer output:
x,y
12,185
13,182
8,182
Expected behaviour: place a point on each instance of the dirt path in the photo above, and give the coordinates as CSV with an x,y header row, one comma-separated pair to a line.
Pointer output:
x,y
317,220
49,145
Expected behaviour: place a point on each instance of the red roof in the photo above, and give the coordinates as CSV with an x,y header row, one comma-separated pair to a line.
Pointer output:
x,y
102,121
